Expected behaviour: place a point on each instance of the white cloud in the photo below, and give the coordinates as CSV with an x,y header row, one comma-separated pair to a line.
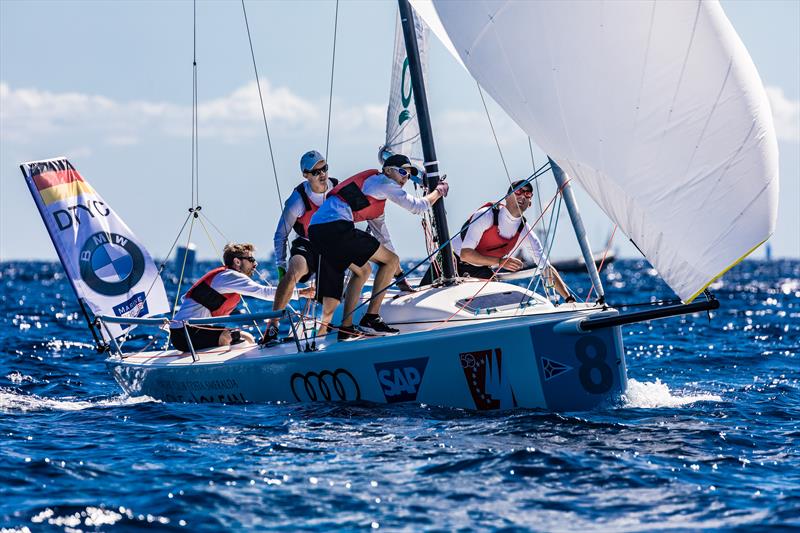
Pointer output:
x,y
786,114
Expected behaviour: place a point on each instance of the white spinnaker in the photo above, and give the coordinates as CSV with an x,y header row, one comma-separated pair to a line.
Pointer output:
x,y
402,126
655,108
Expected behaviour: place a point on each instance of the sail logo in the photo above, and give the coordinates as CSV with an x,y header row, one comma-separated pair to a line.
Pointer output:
x,y
487,379
111,264
132,308
400,380
405,99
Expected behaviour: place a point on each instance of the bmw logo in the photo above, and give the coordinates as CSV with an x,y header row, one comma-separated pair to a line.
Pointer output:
x,y
111,264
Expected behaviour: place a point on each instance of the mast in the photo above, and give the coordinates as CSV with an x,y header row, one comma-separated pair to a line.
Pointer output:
x,y
580,232
426,136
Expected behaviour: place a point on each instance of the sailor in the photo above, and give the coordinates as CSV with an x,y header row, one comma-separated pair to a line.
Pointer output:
x,y
341,245
493,233
297,212
217,294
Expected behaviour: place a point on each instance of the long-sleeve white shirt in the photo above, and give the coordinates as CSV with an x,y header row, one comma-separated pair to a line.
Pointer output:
x,y
380,187
507,226
226,282
293,209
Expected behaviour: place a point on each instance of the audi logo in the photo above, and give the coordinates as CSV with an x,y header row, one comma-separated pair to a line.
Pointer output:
x,y
326,385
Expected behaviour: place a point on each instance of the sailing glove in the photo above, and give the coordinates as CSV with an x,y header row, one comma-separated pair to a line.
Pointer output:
x,y
281,273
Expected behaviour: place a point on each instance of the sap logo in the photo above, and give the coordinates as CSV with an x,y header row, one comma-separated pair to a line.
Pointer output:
x,y
400,380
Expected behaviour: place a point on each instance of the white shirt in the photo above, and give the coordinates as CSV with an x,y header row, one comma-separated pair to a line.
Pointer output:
x,y
379,187
226,282
293,209
507,225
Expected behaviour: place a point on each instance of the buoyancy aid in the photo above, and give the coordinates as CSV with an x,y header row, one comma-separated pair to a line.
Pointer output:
x,y
301,224
492,244
219,304
364,207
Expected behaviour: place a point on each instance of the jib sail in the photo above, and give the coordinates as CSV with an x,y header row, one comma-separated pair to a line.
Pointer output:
x,y
111,272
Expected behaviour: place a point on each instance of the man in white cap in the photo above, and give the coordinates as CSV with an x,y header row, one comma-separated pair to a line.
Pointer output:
x,y
297,212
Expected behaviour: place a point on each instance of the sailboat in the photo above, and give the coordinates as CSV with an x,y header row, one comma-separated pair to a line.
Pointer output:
x,y
655,109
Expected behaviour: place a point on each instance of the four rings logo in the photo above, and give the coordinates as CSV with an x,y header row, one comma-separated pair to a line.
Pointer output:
x,y
325,385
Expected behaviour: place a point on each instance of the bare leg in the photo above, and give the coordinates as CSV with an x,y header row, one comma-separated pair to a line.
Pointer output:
x,y
225,338
247,337
353,292
388,264
329,305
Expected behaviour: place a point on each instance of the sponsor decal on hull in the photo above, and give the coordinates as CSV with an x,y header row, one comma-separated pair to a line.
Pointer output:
x,y
400,380
326,385
488,382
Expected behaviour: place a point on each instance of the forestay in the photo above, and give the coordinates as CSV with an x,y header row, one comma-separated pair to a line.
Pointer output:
x,y
655,108
106,265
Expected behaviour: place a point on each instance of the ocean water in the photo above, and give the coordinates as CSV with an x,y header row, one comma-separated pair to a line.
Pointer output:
x,y
705,437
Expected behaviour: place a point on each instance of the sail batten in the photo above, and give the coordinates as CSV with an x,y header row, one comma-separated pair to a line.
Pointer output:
x,y
654,108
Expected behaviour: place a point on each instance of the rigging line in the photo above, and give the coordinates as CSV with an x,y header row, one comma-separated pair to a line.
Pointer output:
x,y
263,110
545,167
221,233
548,247
183,269
538,190
333,65
605,253
194,96
494,134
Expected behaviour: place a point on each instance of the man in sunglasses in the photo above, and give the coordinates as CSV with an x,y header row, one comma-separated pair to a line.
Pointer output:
x,y
494,233
217,294
341,245
297,212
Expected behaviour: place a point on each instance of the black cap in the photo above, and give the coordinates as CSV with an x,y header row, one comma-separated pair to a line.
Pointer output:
x,y
517,183
396,160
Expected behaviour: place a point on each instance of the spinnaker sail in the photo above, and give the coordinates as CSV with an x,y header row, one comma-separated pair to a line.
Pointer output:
x,y
402,127
655,108
109,269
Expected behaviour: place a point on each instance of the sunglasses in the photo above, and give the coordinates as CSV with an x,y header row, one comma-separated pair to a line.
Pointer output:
x,y
249,258
520,192
406,171
318,171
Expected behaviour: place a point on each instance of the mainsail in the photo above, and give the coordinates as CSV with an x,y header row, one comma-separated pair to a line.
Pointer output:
x,y
655,108
402,127
110,271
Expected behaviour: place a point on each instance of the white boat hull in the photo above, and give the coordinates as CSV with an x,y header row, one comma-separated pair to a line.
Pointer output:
x,y
491,362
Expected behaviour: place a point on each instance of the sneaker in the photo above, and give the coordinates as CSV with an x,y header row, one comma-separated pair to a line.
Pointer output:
x,y
348,333
375,325
270,336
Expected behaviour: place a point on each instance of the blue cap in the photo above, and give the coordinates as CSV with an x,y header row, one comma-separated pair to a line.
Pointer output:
x,y
310,159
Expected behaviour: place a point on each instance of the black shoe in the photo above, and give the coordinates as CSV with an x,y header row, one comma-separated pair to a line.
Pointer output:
x,y
375,325
348,333
270,336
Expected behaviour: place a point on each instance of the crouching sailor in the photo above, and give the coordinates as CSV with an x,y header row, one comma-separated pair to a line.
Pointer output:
x,y
494,233
217,294
297,212
341,245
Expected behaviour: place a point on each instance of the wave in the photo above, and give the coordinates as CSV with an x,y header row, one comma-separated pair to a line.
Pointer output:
x,y
649,395
12,401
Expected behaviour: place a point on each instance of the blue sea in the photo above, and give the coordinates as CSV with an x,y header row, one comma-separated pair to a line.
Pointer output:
x,y
707,435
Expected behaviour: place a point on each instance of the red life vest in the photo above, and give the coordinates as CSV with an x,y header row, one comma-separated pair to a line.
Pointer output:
x,y
302,222
219,304
364,207
492,244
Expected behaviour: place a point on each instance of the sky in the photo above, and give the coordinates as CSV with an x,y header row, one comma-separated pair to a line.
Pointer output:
x,y
109,85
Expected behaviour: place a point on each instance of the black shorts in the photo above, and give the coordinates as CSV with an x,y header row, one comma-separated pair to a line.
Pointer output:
x,y
302,247
202,338
339,245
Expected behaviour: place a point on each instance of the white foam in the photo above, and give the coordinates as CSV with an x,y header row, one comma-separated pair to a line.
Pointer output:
x,y
11,401
653,395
